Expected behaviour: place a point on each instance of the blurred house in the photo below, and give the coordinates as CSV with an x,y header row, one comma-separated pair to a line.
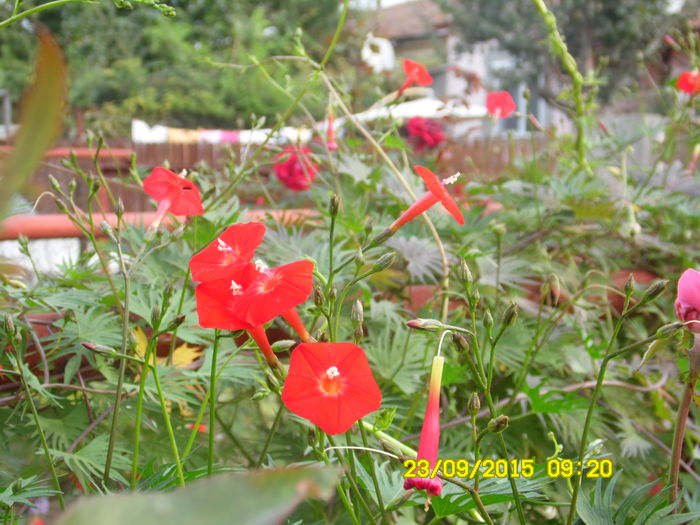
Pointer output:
x,y
421,31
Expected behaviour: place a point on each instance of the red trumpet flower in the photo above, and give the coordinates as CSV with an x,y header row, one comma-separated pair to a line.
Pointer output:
x,y
173,193
430,433
228,253
415,74
331,385
689,81
500,104
437,193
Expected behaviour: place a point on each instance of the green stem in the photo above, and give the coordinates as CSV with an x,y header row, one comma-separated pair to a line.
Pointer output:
x,y
678,435
139,410
373,473
271,433
353,484
37,9
168,427
341,490
42,436
237,442
212,404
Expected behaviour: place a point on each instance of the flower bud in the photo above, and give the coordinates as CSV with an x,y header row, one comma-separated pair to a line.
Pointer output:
x,y
475,297
384,262
9,325
359,258
90,346
488,321
511,314
61,207
333,293
71,187
107,230
668,329
427,325
464,274
554,288
319,299
119,208
498,228
381,238
656,289
498,424
23,241
357,315
474,405
629,285
323,337
460,342
175,323
54,184
284,345
358,334
333,205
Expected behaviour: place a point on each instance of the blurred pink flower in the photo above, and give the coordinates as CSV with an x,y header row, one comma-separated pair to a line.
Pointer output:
x,y
295,168
688,299
500,104
689,81
424,133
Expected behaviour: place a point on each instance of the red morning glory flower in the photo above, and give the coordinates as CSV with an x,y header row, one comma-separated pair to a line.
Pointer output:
x,y
430,433
228,253
437,193
173,193
331,385
689,81
295,168
500,104
424,133
415,74
688,299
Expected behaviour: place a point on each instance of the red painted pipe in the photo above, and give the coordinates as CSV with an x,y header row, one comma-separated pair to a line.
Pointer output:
x,y
81,153
57,225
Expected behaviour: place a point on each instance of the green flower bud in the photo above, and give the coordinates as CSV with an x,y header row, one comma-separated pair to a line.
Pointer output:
x,y
319,299
511,314
629,285
427,325
384,262
498,424
464,274
333,204
381,238
358,334
488,320
656,289
474,405
357,315
119,208
460,342
9,325
54,184
359,258
283,345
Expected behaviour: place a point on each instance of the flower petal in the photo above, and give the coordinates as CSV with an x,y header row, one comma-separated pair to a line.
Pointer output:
x,y
437,189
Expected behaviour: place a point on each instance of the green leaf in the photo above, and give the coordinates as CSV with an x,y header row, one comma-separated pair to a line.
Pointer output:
x,y
41,118
253,498
71,368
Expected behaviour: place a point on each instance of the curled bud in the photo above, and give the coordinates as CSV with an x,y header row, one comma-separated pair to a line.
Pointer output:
x,y
333,204
319,299
357,315
384,262
283,345
474,405
668,329
656,289
427,325
498,424
176,322
90,346
511,314
460,342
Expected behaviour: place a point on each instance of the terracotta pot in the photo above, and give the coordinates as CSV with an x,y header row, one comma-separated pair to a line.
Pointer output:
x,y
419,295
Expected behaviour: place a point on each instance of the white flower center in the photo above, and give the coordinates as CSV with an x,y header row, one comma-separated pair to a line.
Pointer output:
x,y
236,289
332,372
222,246
260,265
451,180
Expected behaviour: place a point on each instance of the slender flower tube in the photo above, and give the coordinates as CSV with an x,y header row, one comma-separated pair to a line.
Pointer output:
x,y
436,193
330,142
430,433
292,317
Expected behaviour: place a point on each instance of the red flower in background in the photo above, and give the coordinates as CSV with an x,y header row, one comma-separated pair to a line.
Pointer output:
x,y
415,74
295,168
689,81
228,253
424,133
330,142
331,385
500,104
430,433
173,193
688,299
436,193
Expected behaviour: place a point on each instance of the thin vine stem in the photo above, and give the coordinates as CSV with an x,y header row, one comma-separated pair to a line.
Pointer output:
x,y
19,16
212,403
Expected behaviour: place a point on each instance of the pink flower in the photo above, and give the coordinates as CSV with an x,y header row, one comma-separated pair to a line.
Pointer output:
x,y
689,81
430,434
295,168
424,133
416,73
688,299
500,104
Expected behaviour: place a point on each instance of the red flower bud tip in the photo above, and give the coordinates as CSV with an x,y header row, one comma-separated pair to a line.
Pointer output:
x,y
424,133
331,385
430,433
292,317
688,299
200,428
295,168
226,255
415,74
694,159
437,193
173,193
689,82
500,104
670,41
